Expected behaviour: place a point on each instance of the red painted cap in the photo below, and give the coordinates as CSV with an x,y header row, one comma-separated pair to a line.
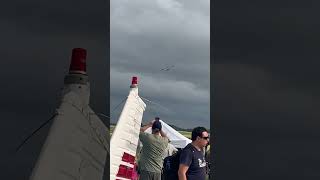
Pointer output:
x,y
78,60
134,80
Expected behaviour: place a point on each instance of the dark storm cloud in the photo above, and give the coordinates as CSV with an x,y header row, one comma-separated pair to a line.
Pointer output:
x,y
263,125
40,35
36,42
147,36
271,37
263,92
55,16
266,90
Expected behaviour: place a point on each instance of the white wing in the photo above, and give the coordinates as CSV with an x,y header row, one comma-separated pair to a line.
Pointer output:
x,y
176,138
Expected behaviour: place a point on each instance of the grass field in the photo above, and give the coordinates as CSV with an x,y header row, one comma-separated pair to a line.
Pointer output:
x,y
187,134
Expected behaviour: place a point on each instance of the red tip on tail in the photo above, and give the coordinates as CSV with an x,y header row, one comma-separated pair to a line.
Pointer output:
x,y
134,80
78,61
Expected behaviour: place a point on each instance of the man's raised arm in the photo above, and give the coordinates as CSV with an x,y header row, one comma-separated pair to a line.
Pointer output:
x,y
145,127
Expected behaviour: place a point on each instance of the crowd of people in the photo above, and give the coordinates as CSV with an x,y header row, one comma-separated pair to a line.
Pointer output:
x,y
160,160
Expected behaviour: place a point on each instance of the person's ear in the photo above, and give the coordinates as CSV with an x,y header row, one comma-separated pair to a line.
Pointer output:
x,y
197,138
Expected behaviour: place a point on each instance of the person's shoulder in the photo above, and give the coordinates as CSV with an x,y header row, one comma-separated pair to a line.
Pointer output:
x,y
165,139
144,135
162,138
187,149
186,155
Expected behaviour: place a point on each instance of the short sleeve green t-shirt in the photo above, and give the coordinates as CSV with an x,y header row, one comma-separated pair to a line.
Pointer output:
x,y
152,152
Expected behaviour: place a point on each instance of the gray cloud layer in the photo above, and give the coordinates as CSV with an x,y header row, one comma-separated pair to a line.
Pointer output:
x,y
147,36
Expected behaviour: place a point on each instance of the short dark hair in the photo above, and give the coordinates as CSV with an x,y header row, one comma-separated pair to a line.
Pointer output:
x,y
157,118
156,126
197,132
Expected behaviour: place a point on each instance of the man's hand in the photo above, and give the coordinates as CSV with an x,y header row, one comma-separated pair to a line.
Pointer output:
x,y
163,134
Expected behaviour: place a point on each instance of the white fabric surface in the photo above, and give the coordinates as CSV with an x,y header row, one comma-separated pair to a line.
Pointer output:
x,y
177,139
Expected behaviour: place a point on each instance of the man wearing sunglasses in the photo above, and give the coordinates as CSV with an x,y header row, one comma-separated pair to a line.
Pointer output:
x,y
192,160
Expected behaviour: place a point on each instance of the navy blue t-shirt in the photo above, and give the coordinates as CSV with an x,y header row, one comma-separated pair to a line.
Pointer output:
x,y
193,158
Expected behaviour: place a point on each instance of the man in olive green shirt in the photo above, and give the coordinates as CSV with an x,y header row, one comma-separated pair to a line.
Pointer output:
x,y
154,145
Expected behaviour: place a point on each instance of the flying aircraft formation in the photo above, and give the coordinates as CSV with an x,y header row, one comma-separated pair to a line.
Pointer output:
x,y
167,68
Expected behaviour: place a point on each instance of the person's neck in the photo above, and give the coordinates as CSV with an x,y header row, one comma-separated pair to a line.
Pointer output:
x,y
157,133
196,145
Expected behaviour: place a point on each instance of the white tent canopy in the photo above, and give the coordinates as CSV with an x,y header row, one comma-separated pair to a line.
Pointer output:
x,y
177,139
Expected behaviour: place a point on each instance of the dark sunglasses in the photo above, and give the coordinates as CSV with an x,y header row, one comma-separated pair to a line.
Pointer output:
x,y
206,138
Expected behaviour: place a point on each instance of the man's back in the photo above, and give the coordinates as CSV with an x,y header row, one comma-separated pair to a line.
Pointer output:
x,y
152,151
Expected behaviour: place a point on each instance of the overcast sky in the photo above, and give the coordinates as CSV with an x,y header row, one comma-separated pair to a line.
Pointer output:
x,y
265,75
36,42
266,89
147,36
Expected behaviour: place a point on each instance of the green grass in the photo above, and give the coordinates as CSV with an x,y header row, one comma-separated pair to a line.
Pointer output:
x,y
186,134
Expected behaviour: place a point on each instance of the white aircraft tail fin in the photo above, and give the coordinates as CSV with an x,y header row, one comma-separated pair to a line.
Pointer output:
x,y
125,137
78,142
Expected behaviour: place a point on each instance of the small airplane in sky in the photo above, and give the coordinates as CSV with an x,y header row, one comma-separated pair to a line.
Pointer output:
x,y
167,68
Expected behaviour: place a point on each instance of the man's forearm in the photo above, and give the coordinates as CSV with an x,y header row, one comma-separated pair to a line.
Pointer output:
x,y
163,134
182,176
145,127
183,171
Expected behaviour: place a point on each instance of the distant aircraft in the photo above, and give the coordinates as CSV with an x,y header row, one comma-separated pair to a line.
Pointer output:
x,y
78,142
167,68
